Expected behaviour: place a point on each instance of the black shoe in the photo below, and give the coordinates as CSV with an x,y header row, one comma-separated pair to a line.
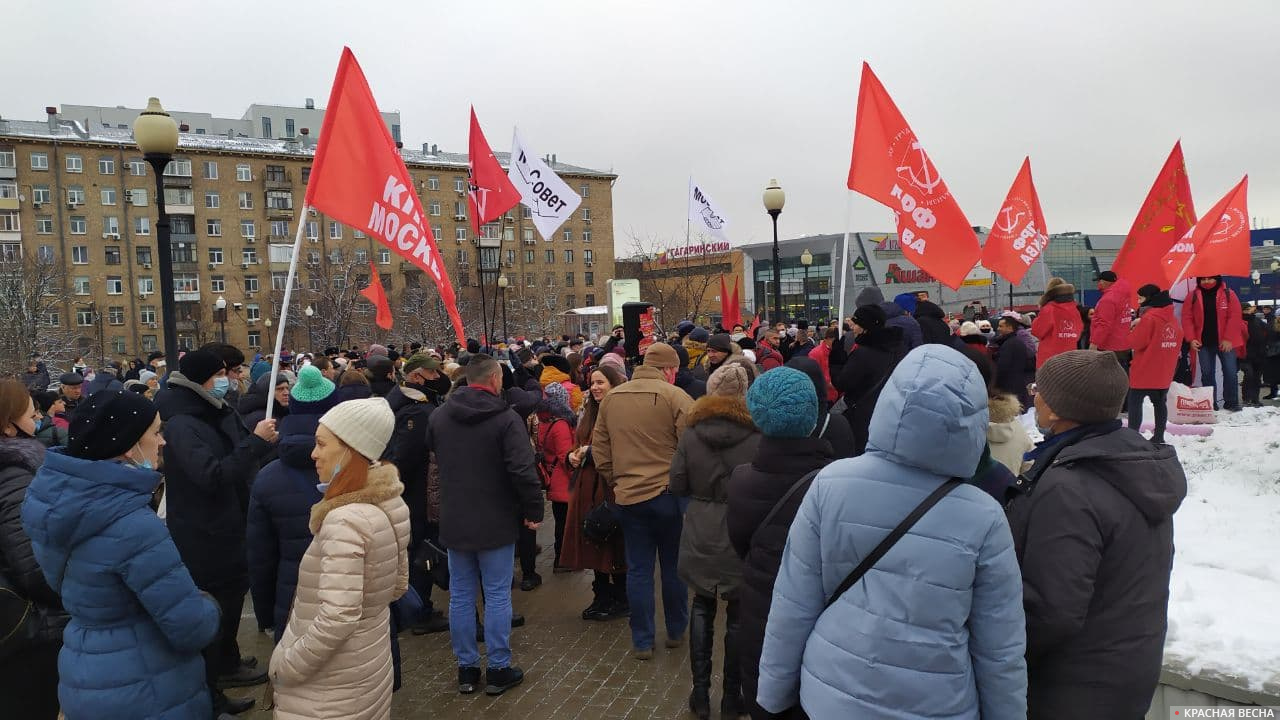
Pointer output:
x,y
595,611
433,624
619,609
232,706
700,704
501,680
732,708
517,620
249,661
530,582
242,677
468,679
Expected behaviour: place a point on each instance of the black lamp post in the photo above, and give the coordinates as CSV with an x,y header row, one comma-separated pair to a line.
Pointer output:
x,y
806,259
503,284
774,199
220,308
157,136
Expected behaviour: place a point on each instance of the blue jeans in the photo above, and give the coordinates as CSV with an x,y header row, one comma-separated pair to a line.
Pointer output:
x,y
652,528
491,569
1230,381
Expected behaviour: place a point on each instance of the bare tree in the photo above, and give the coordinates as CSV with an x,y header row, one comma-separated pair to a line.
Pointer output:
x,y
34,302
678,287
331,285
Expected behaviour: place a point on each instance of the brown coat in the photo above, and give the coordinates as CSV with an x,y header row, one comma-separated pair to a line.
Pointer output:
x,y
580,553
639,426
334,660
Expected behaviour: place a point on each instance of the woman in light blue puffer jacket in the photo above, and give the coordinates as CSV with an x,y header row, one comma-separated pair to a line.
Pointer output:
x,y
936,628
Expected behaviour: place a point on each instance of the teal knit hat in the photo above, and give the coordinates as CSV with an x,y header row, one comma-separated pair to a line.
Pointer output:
x,y
310,393
784,403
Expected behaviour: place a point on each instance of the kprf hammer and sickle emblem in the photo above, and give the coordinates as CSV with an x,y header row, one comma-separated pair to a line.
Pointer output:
x,y
928,178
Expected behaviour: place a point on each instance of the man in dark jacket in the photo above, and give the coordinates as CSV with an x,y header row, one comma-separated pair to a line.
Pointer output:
x,y
832,427
933,325
1015,366
37,375
878,350
489,487
108,378
1093,531
233,360
1255,357
686,379
785,411
210,460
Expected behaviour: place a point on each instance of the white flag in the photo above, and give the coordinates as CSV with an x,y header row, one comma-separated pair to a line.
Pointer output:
x,y
550,200
704,215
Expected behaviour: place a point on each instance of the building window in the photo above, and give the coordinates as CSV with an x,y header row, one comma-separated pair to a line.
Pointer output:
x,y
79,226
568,279
279,280
75,164
288,127
9,221
567,234
550,279
84,318
108,196
8,158
147,314
215,256
246,201
459,184
150,343
530,280
589,279
585,192
115,315
459,233
218,284
251,283
335,256
247,229
178,168
395,132
179,196
10,252
510,257
276,174
79,254
75,194
138,167
40,195
527,235
143,254
433,182
248,256
463,256
590,299
138,197
112,254
550,257
313,257
313,230
570,300
213,226
9,190
40,161
111,226
266,127
117,341
279,228
525,212
434,208
568,256
244,173
460,210
182,224
586,236
586,255
212,201
528,257
586,214
314,285
106,166
142,225
44,225
251,312
210,170
279,200
186,283
362,256
115,285
146,286
384,256
435,231
357,234
335,231
53,319
255,339
81,284
340,283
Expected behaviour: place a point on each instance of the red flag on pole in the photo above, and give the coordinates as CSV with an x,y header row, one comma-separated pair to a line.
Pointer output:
x,y
1218,244
890,166
359,179
1166,215
1018,236
755,325
378,296
726,314
735,306
491,193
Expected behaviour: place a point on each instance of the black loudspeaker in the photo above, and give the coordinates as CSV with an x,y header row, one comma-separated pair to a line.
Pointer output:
x,y
631,312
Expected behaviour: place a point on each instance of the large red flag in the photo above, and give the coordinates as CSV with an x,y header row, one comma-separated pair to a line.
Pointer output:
x,y
735,305
1217,245
730,314
378,296
1166,215
492,193
359,179
890,166
1018,236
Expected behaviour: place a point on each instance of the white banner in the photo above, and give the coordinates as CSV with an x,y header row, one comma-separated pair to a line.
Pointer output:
x,y
550,200
704,215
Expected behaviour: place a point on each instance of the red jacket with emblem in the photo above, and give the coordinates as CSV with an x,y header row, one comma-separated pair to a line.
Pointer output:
x,y
1112,318
1057,327
1157,342
1230,317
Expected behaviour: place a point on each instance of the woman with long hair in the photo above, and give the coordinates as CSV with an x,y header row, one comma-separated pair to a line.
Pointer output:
x,y
606,560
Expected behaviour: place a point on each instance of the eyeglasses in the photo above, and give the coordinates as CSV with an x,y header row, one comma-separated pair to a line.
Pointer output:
x,y
1032,390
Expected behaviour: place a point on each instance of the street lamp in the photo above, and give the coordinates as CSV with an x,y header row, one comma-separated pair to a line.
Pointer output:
x,y
774,199
267,324
311,341
220,305
503,284
806,259
157,136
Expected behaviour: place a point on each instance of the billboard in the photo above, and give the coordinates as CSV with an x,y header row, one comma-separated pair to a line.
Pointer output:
x,y
621,291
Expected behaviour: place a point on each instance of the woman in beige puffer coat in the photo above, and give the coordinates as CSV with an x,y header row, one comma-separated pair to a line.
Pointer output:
x,y
1006,434
334,660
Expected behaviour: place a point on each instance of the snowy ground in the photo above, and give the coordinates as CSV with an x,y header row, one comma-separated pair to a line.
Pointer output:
x,y
1224,604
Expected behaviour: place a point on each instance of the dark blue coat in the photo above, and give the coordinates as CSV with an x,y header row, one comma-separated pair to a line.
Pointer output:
x,y
279,512
138,623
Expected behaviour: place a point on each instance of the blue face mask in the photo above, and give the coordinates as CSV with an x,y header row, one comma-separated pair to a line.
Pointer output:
x,y
220,387
337,468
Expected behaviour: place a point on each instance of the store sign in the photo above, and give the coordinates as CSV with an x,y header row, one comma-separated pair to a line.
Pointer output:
x,y
901,275
692,251
977,277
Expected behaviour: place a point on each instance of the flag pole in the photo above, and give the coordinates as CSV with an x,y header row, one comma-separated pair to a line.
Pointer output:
x,y
844,253
284,310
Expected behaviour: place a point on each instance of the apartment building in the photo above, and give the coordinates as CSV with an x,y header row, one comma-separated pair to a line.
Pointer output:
x,y
83,198
259,120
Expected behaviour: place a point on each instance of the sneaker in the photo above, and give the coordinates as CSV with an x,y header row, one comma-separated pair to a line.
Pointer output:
x,y
231,706
468,679
501,680
242,677
434,624
642,653
675,642
530,582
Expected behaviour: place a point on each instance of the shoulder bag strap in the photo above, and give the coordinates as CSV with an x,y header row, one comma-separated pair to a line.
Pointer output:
x,y
894,536
777,507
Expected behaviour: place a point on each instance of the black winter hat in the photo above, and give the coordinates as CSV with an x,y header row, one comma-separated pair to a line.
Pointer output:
x,y
870,317
110,423
721,342
200,365
556,361
699,335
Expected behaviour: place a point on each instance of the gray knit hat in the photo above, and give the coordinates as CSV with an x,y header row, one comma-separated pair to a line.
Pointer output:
x,y
1085,386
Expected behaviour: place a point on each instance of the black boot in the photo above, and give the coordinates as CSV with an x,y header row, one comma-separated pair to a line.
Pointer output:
x,y
731,705
702,623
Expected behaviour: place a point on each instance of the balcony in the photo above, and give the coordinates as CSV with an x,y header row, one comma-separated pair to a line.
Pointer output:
x,y
278,213
8,203
8,172
278,181
186,296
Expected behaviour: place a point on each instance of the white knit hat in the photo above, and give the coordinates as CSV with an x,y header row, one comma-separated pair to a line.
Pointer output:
x,y
366,425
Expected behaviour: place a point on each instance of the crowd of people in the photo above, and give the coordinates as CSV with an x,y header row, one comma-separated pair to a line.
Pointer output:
x,y
862,501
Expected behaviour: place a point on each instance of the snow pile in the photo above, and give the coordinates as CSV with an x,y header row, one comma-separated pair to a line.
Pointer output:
x,y
1223,614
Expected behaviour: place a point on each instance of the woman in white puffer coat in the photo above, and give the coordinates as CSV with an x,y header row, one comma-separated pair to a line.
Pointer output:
x,y
334,660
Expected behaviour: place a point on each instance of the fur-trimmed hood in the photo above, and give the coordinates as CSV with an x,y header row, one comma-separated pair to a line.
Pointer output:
x,y
383,485
1004,408
720,421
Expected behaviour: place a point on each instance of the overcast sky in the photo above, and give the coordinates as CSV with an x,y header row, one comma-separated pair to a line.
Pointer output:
x,y
733,92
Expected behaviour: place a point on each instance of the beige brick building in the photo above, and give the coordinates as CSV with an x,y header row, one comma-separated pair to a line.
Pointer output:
x,y
83,199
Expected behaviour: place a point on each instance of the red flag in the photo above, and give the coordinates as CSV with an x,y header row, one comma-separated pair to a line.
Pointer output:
x,y
736,307
1218,244
726,314
376,295
1018,236
890,166
1166,215
755,325
491,194
359,179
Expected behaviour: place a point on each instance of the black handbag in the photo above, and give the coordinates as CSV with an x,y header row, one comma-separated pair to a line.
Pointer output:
x,y
434,559
599,526
19,620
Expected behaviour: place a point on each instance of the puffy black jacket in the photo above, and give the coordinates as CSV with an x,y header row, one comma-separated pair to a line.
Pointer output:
x,y
1015,367
832,427
875,356
488,484
753,491
407,450
19,460
1095,542
252,406
278,525
933,325
210,460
